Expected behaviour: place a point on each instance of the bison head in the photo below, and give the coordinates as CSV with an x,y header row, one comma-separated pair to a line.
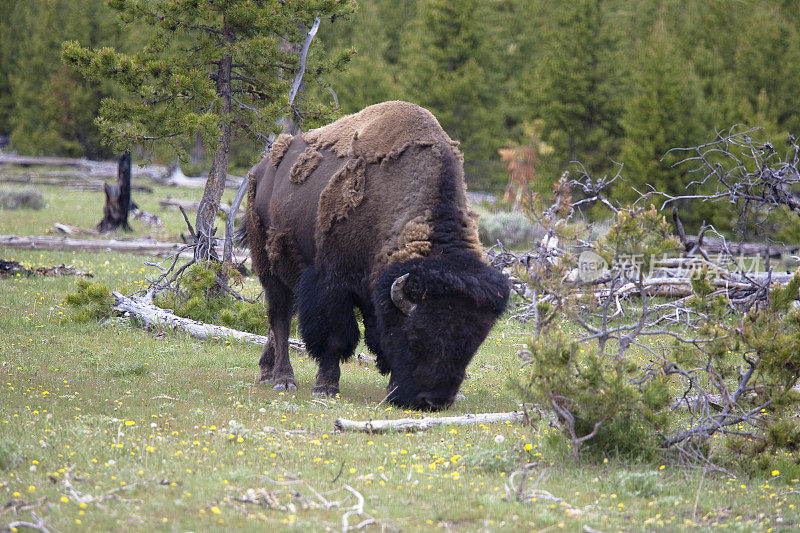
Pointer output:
x,y
433,314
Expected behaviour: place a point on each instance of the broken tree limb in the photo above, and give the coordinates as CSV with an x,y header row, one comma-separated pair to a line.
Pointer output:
x,y
422,424
146,312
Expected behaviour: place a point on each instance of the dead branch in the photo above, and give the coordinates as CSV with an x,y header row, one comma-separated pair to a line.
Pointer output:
x,y
146,312
98,245
86,498
38,526
13,268
423,424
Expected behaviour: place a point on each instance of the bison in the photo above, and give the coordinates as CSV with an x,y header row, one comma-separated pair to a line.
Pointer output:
x,y
370,213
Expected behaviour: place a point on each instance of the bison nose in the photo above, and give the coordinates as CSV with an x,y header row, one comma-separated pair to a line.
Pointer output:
x,y
429,402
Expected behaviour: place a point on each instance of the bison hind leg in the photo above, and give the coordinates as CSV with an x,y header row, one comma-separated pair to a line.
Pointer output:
x,y
276,351
267,361
329,329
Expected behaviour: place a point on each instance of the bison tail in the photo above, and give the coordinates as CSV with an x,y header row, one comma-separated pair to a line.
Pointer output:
x,y
240,237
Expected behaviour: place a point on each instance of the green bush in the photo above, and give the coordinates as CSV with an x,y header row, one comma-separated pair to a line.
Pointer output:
x,y
512,228
91,301
22,199
596,395
201,298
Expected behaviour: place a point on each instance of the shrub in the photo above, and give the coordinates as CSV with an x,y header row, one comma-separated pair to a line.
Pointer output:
x,y
202,298
609,352
91,301
21,199
512,228
599,403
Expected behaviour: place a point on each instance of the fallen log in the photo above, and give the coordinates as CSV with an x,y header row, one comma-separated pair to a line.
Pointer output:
x,y
146,312
681,286
422,424
188,205
14,268
715,246
96,245
177,178
94,168
157,248
74,184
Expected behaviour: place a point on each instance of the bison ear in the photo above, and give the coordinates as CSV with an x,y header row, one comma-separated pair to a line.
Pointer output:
x,y
399,297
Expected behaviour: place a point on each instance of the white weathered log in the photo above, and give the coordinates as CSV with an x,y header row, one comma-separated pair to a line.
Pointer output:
x,y
156,248
422,424
187,205
99,245
178,179
680,287
146,312
94,168
72,183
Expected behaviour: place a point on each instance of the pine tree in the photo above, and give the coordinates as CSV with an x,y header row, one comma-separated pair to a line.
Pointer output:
x,y
51,108
449,64
8,54
375,33
576,82
660,116
210,67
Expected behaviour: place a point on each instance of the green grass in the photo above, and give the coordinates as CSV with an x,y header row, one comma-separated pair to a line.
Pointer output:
x,y
84,209
178,432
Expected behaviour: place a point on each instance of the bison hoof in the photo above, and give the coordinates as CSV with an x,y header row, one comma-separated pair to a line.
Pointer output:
x,y
284,385
322,391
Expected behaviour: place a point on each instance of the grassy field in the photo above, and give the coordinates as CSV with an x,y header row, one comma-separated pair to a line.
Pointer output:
x,y
118,428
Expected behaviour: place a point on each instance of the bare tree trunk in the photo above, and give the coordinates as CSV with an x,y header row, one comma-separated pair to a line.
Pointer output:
x,y
215,186
118,199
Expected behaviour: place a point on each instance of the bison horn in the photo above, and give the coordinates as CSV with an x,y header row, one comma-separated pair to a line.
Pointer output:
x,y
398,296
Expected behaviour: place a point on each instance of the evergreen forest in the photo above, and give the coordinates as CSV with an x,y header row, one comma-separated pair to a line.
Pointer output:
x,y
602,82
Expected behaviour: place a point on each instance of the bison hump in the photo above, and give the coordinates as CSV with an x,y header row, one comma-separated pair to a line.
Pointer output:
x,y
380,131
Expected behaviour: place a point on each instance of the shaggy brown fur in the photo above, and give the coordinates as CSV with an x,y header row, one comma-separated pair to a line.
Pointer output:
x,y
257,237
380,131
284,260
470,231
305,165
344,192
279,148
414,241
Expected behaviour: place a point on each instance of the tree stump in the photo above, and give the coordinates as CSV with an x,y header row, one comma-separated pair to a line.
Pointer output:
x,y
118,199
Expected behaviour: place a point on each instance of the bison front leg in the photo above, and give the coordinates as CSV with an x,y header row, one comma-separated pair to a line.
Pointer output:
x,y
329,329
280,315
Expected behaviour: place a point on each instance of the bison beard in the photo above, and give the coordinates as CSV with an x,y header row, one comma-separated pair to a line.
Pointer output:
x,y
379,222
